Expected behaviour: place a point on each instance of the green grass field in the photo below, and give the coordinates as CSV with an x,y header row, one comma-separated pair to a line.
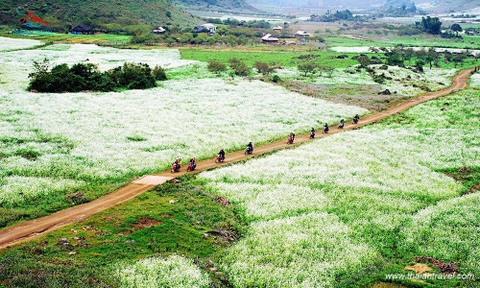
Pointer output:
x,y
273,57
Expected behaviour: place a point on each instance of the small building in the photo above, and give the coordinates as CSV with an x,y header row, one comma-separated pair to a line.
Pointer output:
x,y
302,33
269,39
207,27
81,29
277,28
159,30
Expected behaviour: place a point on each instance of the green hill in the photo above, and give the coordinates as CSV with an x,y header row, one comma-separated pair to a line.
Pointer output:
x,y
112,15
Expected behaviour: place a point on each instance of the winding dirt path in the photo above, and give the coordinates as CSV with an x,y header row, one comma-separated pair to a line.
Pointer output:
x,y
30,229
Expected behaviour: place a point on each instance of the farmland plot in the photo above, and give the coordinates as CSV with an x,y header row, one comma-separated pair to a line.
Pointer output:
x,y
311,207
70,141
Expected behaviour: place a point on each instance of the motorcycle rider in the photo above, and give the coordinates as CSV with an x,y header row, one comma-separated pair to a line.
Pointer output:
x,y
342,124
193,162
177,164
325,128
312,133
356,118
222,154
293,136
250,147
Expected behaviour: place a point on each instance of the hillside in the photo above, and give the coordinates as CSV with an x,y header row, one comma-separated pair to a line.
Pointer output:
x,y
216,5
106,14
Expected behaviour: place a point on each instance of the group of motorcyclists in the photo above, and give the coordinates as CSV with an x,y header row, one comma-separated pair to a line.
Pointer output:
x,y
192,164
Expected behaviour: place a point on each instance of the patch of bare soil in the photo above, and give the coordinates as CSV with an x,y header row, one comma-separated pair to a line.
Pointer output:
x,y
465,170
419,268
229,236
222,200
447,268
475,188
146,222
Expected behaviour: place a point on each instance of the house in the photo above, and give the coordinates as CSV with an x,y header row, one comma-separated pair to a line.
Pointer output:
x,y
159,30
302,33
269,39
277,28
207,27
81,29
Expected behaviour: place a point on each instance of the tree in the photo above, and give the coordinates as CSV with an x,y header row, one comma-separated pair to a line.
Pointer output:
x,y
263,68
419,65
431,25
364,61
459,58
308,67
432,56
456,28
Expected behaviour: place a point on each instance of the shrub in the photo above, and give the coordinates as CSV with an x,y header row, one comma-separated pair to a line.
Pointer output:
x,y
276,78
81,77
216,66
159,73
263,68
240,68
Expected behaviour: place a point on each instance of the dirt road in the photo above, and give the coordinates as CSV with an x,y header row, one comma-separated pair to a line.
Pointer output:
x,y
27,230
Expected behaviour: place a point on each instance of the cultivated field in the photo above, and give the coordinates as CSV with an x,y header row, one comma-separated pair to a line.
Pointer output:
x,y
343,211
322,213
54,145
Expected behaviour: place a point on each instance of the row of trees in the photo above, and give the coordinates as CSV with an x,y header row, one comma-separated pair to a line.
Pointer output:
x,y
400,56
332,17
86,76
239,68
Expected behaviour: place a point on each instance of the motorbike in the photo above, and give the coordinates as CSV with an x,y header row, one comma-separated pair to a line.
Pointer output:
x,y
175,168
355,120
219,159
312,134
191,166
341,125
248,150
325,129
290,140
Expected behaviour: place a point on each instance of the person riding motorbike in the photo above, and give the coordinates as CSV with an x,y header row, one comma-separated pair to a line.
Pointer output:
x,y
193,162
291,138
221,153
342,124
312,133
356,118
176,165
325,128
249,149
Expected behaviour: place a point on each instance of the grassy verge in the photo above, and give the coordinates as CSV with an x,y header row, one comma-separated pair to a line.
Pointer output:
x,y
173,219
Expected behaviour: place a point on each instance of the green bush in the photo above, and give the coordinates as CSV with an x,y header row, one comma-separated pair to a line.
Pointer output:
x,y
82,77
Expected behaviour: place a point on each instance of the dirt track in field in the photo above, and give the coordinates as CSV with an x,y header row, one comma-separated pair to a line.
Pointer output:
x,y
30,229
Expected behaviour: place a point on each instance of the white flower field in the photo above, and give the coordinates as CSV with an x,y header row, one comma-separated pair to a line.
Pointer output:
x,y
174,271
348,193
8,44
86,137
324,214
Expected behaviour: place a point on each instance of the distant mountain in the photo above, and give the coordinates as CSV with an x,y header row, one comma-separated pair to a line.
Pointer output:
x,y
216,5
322,4
435,6
115,14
